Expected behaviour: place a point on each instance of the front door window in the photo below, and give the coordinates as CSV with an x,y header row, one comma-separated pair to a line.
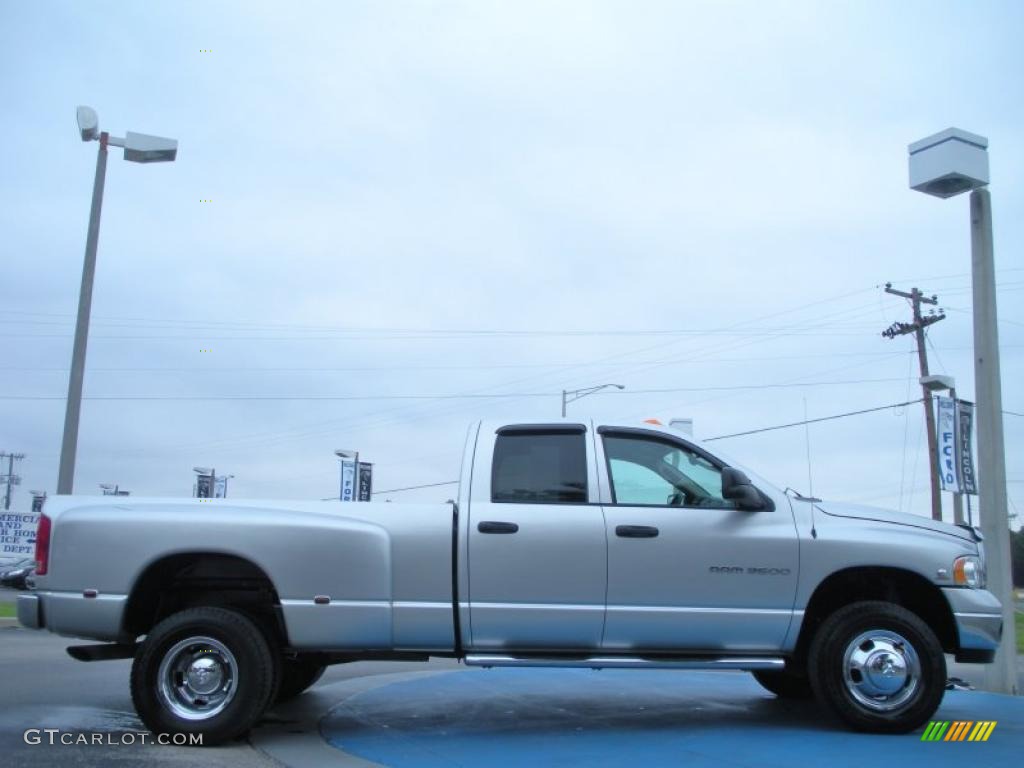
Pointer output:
x,y
647,471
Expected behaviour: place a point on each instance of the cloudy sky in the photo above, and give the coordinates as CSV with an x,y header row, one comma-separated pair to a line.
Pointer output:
x,y
423,213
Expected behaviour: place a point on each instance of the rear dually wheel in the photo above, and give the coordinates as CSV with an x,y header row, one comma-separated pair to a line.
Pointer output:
x,y
206,671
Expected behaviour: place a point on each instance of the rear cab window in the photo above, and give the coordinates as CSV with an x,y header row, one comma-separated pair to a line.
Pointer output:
x,y
539,466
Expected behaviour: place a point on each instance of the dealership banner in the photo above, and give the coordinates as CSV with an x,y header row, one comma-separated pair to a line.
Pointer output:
x,y
945,428
17,534
204,487
365,481
347,480
350,489
965,448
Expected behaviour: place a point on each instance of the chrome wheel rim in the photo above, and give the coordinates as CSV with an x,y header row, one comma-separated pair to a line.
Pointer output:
x,y
881,670
198,678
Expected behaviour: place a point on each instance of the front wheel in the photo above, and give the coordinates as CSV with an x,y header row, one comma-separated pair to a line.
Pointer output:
x,y
878,666
206,671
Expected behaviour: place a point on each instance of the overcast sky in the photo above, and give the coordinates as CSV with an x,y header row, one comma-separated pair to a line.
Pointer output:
x,y
496,198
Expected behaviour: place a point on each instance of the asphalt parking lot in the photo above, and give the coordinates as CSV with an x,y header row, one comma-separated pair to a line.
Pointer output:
x,y
503,718
442,714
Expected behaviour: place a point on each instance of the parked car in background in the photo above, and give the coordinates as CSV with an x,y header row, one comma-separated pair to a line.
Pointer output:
x,y
14,575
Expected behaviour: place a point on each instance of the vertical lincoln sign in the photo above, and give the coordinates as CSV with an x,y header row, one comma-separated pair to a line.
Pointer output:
x,y
964,447
956,463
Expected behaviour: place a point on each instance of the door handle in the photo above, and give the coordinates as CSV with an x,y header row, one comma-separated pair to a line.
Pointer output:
x,y
491,526
636,531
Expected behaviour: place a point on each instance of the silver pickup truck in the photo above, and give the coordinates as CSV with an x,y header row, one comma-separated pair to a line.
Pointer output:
x,y
570,544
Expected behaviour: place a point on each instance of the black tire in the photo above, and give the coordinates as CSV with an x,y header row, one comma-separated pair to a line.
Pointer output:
x,y
297,675
233,684
882,638
784,683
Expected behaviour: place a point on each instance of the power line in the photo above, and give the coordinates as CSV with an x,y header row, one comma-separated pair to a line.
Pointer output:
x,y
403,414
477,367
467,396
719,437
813,421
240,324
415,487
457,336
191,398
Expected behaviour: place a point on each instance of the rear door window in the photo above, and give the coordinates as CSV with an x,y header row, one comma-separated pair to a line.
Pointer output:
x,y
540,468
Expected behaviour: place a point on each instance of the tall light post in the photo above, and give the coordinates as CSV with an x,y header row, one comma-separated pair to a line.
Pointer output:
x,y
571,395
138,148
943,165
343,454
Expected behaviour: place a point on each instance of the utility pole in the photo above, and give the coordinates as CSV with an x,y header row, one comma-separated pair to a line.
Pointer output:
x,y
917,328
10,478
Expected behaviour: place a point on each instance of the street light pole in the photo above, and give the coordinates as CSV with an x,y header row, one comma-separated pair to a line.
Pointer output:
x,y
992,501
943,165
571,395
69,445
138,148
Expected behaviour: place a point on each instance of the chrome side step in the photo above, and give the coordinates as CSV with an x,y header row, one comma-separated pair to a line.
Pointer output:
x,y
626,662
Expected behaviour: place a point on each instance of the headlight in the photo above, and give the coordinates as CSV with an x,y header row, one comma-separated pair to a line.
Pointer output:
x,y
969,572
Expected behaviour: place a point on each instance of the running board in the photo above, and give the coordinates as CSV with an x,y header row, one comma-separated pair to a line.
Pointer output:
x,y
103,652
626,662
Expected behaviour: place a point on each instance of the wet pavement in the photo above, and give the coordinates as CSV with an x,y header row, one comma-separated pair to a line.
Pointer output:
x,y
529,717
439,713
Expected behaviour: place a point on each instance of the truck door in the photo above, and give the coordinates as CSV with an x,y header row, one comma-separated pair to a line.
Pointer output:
x,y
537,552
686,569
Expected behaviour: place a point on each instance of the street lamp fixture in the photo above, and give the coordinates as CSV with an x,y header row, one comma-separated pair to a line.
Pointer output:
x,y
938,383
949,163
571,395
138,148
943,165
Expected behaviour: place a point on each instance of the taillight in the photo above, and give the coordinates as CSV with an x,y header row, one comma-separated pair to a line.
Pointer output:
x,y
43,545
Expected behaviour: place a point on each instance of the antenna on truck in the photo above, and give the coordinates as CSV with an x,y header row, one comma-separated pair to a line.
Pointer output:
x,y
810,479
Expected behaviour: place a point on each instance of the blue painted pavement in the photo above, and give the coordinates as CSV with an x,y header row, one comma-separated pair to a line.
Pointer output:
x,y
563,717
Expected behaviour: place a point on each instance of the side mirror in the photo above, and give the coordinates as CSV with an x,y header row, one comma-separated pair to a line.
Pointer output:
x,y
736,486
